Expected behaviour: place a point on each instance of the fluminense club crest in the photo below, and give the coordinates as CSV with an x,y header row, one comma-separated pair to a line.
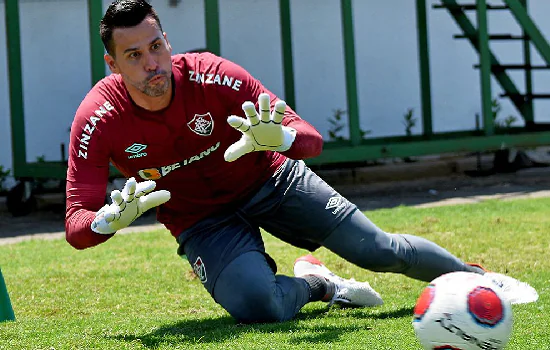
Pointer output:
x,y
202,124
200,270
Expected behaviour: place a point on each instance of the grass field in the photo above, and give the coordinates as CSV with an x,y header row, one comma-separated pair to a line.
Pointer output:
x,y
134,292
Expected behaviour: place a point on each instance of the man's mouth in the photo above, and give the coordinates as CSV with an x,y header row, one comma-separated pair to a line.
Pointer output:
x,y
157,78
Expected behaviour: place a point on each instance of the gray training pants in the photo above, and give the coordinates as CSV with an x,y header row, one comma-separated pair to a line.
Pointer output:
x,y
298,207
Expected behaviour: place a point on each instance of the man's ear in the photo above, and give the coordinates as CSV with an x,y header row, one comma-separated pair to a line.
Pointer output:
x,y
110,60
167,42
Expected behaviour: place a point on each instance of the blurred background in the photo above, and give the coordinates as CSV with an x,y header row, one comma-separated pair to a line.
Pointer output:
x,y
380,80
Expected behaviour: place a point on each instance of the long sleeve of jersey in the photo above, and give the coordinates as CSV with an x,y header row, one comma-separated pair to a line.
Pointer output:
x,y
87,173
308,142
78,220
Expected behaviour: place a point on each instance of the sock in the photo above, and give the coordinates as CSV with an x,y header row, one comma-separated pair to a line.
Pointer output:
x,y
319,288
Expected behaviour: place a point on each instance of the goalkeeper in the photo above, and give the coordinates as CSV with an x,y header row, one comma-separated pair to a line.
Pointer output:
x,y
219,157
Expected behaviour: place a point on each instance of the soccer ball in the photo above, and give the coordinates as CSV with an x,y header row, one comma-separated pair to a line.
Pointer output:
x,y
462,311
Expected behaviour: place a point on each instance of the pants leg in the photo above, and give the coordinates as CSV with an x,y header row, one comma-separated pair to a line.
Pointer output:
x,y
361,242
249,290
300,208
227,253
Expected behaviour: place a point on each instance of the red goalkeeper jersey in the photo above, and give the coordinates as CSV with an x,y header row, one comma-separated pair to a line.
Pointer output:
x,y
180,147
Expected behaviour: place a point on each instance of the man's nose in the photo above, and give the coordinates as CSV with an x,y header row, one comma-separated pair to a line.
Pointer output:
x,y
150,63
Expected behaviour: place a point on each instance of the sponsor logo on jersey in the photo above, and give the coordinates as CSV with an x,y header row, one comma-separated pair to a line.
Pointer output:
x,y
157,173
150,174
202,124
218,79
136,150
200,270
89,128
337,203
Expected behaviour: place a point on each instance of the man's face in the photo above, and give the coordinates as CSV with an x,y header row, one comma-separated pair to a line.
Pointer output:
x,y
142,57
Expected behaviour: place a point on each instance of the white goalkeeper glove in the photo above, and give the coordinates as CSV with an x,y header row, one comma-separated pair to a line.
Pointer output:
x,y
263,133
134,200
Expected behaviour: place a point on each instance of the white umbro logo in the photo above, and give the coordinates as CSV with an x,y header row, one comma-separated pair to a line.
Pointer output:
x,y
136,150
337,203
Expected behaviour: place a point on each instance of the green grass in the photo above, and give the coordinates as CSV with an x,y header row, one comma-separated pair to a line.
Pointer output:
x,y
134,292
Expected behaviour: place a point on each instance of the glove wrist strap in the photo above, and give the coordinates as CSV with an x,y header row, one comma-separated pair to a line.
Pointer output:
x,y
289,137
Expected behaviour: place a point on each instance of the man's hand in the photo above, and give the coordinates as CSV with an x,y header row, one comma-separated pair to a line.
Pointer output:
x,y
263,133
134,200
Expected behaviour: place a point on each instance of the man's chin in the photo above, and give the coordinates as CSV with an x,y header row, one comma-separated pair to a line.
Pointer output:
x,y
156,91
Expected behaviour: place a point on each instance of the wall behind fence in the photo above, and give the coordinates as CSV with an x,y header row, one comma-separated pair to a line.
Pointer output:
x,y
56,63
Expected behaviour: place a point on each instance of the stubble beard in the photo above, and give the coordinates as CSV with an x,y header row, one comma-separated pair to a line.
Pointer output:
x,y
153,90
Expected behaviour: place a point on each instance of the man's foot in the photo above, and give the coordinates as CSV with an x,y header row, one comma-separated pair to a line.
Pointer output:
x,y
515,291
348,292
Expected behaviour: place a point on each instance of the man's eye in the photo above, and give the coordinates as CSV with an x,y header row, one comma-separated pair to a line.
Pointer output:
x,y
155,47
133,55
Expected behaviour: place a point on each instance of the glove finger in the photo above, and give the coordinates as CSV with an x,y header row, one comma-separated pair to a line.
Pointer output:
x,y
238,149
264,105
116,198
241,124
129,190
250,111
145,187
102,210
109,217
279,112
153,199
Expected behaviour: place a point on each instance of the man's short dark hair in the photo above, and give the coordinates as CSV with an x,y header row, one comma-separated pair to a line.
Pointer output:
x,y
124,14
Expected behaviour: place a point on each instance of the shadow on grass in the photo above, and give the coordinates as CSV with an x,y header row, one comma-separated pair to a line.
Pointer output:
x,y
398,313
205,331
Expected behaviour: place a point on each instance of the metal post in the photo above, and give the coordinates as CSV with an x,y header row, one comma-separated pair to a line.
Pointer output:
x,y
212,20
351,83
485,68
6,310
15,83
528,113
286,42
95,13
424,65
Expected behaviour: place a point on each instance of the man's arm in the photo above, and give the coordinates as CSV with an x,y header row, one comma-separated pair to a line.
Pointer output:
x,y
87,175
88,222
79,216
308,142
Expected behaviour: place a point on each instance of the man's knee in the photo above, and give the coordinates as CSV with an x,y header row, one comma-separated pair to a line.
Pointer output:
x,y
253,304
247,289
